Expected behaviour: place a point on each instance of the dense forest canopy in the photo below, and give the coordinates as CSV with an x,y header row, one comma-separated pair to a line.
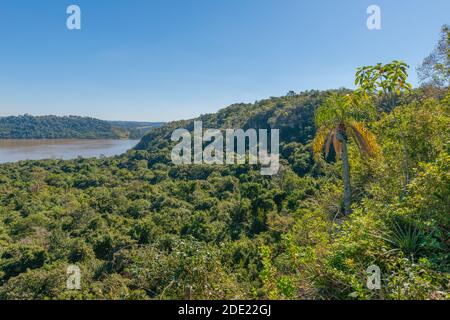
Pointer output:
x,y
139,227
70,127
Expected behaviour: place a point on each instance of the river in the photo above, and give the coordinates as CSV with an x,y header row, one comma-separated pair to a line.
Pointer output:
x,y
16,150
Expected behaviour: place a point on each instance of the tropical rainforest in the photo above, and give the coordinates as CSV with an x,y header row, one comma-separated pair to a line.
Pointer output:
x,y
70,127
364,181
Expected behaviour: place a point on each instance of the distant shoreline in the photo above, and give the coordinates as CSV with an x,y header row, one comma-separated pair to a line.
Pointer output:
x,y
71,127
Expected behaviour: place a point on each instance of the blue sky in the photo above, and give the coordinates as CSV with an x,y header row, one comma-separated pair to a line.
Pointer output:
x,y
160,60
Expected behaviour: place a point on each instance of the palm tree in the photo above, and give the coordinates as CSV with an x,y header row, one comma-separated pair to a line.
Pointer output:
x,y
336,120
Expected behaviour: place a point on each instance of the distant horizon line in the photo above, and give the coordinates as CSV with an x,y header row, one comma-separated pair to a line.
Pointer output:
x,y
183,118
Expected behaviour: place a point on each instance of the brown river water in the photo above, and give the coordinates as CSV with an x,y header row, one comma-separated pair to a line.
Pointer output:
x,y
16,150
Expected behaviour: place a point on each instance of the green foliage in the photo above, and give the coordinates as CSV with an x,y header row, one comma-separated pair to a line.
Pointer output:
x,y
141,228
383,79
406,237
338,116
435,69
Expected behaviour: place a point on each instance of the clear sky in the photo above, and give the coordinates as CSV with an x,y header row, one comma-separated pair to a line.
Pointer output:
x,y
160,60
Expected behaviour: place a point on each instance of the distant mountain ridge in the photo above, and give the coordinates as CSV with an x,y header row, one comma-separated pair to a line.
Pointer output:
x,y
70,127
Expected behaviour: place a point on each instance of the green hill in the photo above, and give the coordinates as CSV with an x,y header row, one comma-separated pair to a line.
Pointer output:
x,y
292,115
70,127
54,127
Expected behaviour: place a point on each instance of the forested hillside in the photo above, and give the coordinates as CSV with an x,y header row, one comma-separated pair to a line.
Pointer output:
x,y
54,127
139,227
70,127
364,182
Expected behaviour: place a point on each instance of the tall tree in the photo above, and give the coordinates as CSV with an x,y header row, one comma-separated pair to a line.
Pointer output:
x,y
435,69
388,81
337,123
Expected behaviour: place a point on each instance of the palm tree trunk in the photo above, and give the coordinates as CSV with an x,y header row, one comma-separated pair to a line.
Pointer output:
x,y
346,177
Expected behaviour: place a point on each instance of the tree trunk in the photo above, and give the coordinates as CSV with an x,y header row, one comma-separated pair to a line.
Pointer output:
x,y
346,175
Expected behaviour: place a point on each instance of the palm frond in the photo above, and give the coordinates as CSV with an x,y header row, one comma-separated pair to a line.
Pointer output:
x,y
331,111
319,141
322,142
365,140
